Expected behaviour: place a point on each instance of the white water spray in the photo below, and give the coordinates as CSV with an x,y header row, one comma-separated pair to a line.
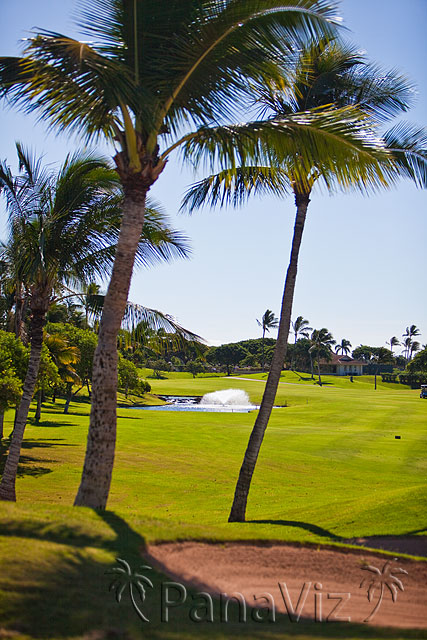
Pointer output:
x,y
227,397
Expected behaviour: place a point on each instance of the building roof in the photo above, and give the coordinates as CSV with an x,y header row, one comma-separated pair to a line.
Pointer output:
x,y
342,359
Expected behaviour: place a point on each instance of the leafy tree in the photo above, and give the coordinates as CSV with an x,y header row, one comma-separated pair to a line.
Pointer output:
x,y
10,393
380,356
363,352
158,366
325,74
229,355
156,69
129,378
250,361
195,367
419,363
400,361
47,377
299,355
267,322
343,347
13,365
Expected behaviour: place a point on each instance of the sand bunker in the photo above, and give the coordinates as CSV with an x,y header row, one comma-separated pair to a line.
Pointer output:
x,y
303,581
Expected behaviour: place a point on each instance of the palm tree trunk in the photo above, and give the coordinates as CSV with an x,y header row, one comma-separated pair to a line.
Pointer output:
x,y
318,371
99,460
1,424
238,509
7,485
263,356
311,366
38,413
19,313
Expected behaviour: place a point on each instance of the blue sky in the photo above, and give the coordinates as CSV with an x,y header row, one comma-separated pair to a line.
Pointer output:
x,y
362,263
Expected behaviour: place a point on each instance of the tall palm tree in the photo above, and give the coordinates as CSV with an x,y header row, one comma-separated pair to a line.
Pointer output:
x,y
394,342
344,347
267,322
324,74
156,77
322,343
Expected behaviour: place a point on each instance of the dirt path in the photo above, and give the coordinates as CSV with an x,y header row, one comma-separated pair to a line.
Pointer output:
x,y
305,580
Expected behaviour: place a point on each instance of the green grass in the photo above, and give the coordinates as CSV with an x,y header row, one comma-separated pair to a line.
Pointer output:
x,y
330,469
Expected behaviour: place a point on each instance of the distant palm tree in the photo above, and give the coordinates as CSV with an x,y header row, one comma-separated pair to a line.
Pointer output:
x,y
415,346
394,342
134,581
300,328
64,356
344,347
382,578
410,333
322,343
267,322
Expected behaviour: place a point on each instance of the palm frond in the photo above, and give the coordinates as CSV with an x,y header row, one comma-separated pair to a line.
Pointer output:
x,y
235,186
339,148
408,145
136,314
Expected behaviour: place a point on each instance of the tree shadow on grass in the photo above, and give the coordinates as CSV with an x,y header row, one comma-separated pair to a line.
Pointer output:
x,y
71,413
312,528
62,591
26,465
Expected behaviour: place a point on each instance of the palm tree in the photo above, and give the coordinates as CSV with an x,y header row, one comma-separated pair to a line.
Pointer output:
x,y
63,231
325,74
410,332
88,298
344,347
415,346
322,342
300,328
267,322
64,356
56,236
394,342
155,71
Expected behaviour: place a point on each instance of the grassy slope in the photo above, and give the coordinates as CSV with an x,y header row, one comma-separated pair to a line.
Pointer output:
x,y
329,469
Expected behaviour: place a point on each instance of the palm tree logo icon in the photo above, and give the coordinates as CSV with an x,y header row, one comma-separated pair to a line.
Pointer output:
x,y
126,578
382,578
